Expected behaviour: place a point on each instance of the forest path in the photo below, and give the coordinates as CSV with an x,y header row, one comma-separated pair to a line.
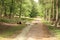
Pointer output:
x,y
37,31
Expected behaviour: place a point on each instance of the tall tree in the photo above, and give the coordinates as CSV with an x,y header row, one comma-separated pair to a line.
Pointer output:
x,y
34,11
56,12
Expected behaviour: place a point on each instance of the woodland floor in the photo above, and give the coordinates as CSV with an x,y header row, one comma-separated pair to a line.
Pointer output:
x,y
9,31
38,31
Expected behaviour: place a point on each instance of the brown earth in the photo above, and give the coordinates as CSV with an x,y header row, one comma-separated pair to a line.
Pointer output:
x,y
39,31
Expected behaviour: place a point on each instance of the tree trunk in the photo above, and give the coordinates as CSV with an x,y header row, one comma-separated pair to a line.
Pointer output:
x,y
11,9
49,14
56,13
53,9
5,14
46,15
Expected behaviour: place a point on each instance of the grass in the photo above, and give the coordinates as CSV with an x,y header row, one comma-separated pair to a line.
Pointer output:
x,y
9,31
55,31
15,20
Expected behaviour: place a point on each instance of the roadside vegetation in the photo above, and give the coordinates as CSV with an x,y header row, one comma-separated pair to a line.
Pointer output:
x,y
14,14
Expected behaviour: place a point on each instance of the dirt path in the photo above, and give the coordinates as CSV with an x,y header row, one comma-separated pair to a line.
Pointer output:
x,y
22,35
37,31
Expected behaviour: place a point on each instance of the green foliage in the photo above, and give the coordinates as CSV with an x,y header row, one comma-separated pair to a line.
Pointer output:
x,y
15,20
34,12
15,7
55,31
6,20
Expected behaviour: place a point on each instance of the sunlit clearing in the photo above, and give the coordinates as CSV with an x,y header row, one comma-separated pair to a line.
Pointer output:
x,y
31,38
36,1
